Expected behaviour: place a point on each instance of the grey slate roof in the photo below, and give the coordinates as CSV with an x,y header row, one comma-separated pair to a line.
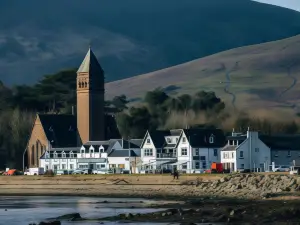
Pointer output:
x,y
90,64
158,137
281,142
123,153
199,137
60,130
229,148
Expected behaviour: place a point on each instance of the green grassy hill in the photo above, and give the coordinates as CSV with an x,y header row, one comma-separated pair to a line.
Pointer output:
x,y
263,76
130,37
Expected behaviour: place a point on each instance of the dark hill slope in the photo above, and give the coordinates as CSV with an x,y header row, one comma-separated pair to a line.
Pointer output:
x,y
253,77
131,37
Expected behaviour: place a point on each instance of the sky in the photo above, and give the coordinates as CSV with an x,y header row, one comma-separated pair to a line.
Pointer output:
x,y
292,4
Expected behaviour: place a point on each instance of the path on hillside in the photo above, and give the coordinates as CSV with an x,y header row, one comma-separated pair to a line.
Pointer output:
x,y
294,82
228,84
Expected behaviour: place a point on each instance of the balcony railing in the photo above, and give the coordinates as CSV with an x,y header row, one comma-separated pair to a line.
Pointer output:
x,y
166,155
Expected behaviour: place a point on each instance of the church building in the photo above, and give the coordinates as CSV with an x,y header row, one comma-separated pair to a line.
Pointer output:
x,y
91,122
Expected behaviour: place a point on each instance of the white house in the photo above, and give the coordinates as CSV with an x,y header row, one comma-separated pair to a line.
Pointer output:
x,y
60,159
245,152
125,155
198,148
94,154
158,148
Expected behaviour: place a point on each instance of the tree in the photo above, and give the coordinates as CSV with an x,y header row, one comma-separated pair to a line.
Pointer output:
x,y
120,102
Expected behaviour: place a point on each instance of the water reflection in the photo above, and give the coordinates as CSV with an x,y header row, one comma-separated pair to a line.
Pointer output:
x,y
25,210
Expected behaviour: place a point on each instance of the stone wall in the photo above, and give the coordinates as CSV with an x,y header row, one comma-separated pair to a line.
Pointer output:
x,y
251,185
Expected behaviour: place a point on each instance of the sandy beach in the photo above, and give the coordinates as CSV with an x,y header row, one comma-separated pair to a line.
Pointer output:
x,y
103,185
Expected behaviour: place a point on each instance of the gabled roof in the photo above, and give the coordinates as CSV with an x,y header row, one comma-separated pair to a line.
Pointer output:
x,y
90,64
157,137
107,145
60,130
199,137
281,142
124,153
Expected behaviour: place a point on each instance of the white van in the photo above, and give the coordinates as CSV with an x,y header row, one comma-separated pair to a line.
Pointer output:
x,y
35,171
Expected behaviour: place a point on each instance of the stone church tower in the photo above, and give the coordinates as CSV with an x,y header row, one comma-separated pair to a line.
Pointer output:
x,y
90,99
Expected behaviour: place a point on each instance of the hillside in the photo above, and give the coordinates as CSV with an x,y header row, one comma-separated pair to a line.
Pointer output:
x,y
130,37
257,76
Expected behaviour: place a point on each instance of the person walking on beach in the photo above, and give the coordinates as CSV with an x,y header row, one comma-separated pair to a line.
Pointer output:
x,y
176,174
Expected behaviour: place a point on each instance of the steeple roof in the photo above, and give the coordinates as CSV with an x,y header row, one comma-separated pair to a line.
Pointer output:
x,y
90,64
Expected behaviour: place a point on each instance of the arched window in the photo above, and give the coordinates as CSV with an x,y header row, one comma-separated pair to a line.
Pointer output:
x,y
37,151
79,85
85,84
32,156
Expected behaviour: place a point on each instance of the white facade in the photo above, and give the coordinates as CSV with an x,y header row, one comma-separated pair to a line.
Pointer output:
x,y
59,163
251,154
148,152
119,162
192,159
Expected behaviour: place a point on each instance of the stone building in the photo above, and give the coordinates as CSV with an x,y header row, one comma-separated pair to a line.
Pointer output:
x,y
90,123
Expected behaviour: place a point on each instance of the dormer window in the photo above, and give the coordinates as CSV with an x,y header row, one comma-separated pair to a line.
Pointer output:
x,y
148,140
169,140
71,155
183,139
211,139
91,153
63,155
55,156
82,153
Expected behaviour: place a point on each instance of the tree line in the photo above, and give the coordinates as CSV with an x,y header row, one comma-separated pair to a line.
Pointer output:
x,y
56,93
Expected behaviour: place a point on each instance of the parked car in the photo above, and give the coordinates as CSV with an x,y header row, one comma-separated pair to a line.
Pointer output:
x,y
87,171
62,172
12,172
34,171
103,171
282,169
78,171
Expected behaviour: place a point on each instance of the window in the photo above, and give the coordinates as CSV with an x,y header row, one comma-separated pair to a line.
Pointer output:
x,y
71,167
215,152
148,140
203,165
55,156
232,155
101,150
63,166
184,152
183,139
196,151
148,152
276,154
289,153
82,153
184,166
211,139
256,149
241,154
224,155
91,153
83,166
63,155
71,155
47,167
169,140
55,167
197,165
242,166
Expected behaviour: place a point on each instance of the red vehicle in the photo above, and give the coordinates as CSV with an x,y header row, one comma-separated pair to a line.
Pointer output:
x,y
215,168
10,172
